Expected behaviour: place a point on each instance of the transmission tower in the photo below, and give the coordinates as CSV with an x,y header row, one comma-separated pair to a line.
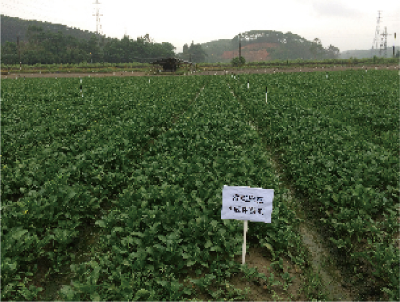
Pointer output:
x,y
384,41
376,38
97,14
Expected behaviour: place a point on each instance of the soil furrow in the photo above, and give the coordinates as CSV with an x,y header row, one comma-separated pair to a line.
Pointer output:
x,y
322,262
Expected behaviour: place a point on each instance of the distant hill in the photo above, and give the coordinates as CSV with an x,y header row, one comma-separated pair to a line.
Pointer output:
x,y
12,27
257,45
363,54
264,45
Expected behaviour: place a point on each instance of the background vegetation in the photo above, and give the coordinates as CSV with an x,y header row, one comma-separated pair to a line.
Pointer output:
x,y
46,47
47,43
268,45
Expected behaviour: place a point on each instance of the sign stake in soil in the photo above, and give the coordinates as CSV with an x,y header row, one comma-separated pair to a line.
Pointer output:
x,y
245,203
248,84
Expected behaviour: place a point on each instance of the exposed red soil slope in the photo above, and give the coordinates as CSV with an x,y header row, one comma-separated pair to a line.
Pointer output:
x,y
253,52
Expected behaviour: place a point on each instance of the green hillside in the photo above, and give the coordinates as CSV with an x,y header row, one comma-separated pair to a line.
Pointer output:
x,y
12,27
265,45
257,45
47,43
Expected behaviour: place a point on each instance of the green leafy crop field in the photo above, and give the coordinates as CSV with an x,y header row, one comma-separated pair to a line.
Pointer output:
x,y
337,135
117,194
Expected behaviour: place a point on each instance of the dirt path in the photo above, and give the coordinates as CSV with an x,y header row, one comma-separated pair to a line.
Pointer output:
x,y
73,75
211,72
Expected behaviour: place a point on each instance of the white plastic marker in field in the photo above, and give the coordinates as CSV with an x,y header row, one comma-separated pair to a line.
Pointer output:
x,y
266,94
245,203
248,84
149,81
81,87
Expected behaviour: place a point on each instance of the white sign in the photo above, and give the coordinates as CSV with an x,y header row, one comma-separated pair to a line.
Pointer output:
x,y
244,203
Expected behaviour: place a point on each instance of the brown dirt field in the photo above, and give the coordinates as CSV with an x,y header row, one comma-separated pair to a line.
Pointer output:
x,y
248,71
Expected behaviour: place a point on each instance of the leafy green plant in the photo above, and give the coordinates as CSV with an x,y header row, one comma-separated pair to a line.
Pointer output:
x,y
141,165
236,62
340,153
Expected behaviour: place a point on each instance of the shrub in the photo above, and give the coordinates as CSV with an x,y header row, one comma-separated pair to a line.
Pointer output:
x,y
238,61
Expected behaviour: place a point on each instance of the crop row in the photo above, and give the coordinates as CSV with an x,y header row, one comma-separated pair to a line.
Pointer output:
x,y
158,157
63,159
345,166
167,222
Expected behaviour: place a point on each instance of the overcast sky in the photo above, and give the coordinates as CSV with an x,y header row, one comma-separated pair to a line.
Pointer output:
x,y
345,24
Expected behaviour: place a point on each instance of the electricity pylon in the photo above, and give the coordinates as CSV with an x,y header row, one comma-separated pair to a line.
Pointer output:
x,y
97,14
376,38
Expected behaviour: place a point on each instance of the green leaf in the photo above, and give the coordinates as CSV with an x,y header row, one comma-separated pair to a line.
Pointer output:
x,y
190,262
95,297
162,283
126,262
67,292
139,234
208,244
268,246
71,194
18,234
100,223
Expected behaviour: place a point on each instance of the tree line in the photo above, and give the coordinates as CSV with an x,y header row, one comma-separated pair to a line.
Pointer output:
x,y
193,53
47,47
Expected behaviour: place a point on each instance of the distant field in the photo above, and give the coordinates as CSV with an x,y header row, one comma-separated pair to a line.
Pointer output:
x,y
117,194
106,68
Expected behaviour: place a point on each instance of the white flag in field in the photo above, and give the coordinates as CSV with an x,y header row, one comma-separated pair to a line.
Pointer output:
x,y
244,203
